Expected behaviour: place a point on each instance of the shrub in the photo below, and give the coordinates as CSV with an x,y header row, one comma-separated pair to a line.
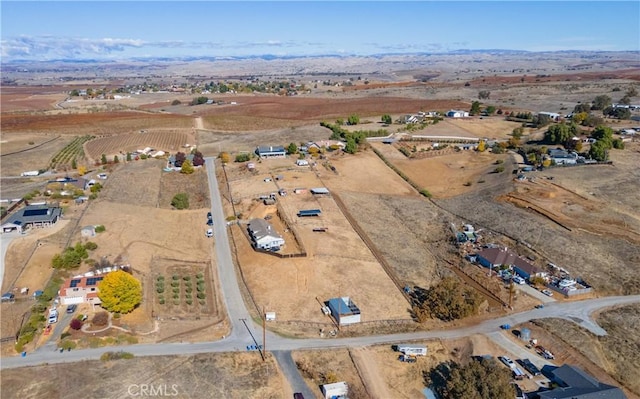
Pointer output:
x,y
188,290
175,284
202,302
189,301
180,201
176,277
116,356
91,245
68,344
161,300
499,169
176,295
201,295
425,192
75,324
200,287
160,289
176,290
100,319
187,278
160,278
199,276
176,302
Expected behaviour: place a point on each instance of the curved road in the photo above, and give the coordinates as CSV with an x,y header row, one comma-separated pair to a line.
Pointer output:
x,y
243,330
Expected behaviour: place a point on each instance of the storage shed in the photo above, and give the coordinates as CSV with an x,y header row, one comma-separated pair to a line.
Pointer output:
x,y
309,212
337,390
320,190
344,310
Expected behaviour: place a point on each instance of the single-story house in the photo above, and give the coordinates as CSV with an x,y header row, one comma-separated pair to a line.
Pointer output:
x,y
496,257
410,119
270,152
344,310
575,383
32,216
80,289
457,114
264,235
563,157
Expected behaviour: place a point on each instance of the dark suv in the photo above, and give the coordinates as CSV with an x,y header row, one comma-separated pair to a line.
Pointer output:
x,y
72,308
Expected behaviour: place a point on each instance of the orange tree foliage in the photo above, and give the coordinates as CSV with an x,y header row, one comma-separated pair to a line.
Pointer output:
x,y
120,292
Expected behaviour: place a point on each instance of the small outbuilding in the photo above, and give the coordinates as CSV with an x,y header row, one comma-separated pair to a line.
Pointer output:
x,y
320,191
309,212
88,231
344,310
337,390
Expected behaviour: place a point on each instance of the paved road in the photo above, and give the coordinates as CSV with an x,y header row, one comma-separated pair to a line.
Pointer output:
x,y
242,332
291,373
238,342
531,291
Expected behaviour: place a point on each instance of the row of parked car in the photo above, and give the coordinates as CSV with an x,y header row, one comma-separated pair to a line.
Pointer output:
x,y
517,372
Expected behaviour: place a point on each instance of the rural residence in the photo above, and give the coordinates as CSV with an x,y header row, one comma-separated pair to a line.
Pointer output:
x,y
264,236
577,384
337,390
496,257
563,157
32,216
80,289
271,152
457,114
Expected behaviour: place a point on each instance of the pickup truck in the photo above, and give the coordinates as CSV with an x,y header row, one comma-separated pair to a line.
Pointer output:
x,y
530,367
507,362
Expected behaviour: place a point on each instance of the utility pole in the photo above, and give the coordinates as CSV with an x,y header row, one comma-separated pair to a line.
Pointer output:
x,y
264,335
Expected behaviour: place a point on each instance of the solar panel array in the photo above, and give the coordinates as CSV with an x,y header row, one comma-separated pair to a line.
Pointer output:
x,y
74,283
35,212
94,280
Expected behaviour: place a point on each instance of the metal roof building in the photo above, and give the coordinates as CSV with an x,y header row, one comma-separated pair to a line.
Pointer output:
x,y
32,216
320,190
264,235
271,151
577,384
344,310
309,212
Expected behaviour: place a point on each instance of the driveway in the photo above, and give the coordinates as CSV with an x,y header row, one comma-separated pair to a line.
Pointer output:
x,y
292,374
531,291
6,239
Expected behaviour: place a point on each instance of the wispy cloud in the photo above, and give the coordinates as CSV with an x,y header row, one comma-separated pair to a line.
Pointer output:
x,y
52,47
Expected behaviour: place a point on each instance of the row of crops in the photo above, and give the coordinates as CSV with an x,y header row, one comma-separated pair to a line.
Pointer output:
x,y
70,154
165,140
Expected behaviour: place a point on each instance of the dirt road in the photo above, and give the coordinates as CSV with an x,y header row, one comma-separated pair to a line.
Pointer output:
x,y
369,373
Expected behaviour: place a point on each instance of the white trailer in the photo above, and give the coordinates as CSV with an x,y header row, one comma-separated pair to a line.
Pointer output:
x,y
413,350
31,173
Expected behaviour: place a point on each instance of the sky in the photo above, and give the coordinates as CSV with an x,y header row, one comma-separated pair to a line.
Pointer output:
x,y
120,30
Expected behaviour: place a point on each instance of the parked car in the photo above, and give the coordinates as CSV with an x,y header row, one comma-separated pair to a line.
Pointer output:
x,y
209,215
72,308
8,297
540,306
209,222
298,395
547,292
507,361
518,280
530,367
53,318
209,233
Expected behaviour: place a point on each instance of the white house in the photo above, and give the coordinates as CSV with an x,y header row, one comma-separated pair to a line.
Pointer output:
x,y
457,114
552,115
302,162
264,236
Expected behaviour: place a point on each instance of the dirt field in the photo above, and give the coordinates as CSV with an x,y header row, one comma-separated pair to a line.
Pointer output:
x,y
337,260
229,375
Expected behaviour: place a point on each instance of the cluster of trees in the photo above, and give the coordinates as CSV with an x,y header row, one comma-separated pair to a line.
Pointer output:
x,y
181,157
478,379
72,257
448,300
199,100
120,292
604,142
561,133
353,139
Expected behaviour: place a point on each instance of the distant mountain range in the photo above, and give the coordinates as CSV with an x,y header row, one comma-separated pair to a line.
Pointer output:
x,y
271,57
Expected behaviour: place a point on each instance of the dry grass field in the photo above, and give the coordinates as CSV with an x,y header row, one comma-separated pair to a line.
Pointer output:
x,y
229,375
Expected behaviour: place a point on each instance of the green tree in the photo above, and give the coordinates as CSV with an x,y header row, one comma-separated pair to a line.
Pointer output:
x,y
351,147
386,119
601,102
74,93
128,157
186,167
604,134
120,292
243,157
557,134
292,148
475,108
598,151
74,164
582,107
103,159
490,110
484,379
180,201
449,300
484,94
116,159
517,133
353,119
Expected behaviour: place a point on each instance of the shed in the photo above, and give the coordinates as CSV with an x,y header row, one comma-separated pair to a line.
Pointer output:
x,y
309,212
302,162
344,310
270,316
337,390
88,231
320,190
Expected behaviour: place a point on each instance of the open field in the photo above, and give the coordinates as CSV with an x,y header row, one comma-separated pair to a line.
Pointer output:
x,y
237,375
19,156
